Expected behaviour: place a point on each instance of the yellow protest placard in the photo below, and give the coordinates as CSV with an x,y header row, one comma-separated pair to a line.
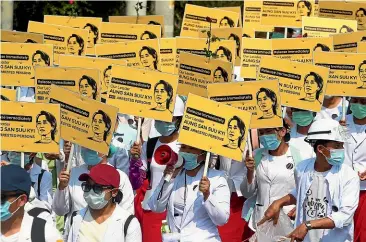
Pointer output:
x,y
236,10
120,32
8,94
19,59
104,65
195,72
324,27
66,40
82,81
234,34
361,47
348,42
300,49
30,127
286,13
138,54
214,127
260,98
148,19
224,50
84,121
143,93
252,51
252,17
347,73
91,24
168,50
20,37
301,85
197,17
344,10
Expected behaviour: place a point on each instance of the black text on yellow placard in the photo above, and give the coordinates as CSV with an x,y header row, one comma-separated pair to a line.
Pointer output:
x,y
313,27
30,127
348,42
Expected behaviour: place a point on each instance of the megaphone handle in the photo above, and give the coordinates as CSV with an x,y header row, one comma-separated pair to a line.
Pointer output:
x,y
207,161
167,177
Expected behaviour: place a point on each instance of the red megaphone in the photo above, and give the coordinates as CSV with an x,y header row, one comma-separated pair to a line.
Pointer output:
x,y
164,155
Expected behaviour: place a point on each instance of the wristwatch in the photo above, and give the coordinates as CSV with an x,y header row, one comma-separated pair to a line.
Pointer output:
x,y
308,225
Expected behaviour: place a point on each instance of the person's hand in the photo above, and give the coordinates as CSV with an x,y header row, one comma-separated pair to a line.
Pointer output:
x,y
136,150
171,170
362,175
52,156
4,163
272,213
343,123
298,234
292,214
204,187
250,163
64,178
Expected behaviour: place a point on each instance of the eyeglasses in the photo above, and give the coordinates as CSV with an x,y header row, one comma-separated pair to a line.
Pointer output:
x,y
98,189
4,197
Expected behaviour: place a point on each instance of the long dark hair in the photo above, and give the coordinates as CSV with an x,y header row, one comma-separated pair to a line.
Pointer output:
x,y
94,29
323,47
107,121
80,42
92,83
229,21
168,88
307,4
226,51
150,34
223,73
43,55
151,52
237,40
272,95
52,120
319,81
241,126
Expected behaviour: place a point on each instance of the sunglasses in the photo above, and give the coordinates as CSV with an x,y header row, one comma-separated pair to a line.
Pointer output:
x,y
98,189
5,197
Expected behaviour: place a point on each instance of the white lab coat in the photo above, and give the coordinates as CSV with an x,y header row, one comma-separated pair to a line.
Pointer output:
x,y
71,199
46,192
298,140
200,218
343,184
51,233
115,227
234,173
271,181
355,148
331,113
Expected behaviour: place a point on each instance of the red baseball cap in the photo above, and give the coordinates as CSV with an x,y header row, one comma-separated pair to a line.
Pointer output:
x,y
102,174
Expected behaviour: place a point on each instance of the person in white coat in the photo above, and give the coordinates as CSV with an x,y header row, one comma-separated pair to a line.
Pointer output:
x,y
102,220
331,109
327,190
195,205
68,196
355,149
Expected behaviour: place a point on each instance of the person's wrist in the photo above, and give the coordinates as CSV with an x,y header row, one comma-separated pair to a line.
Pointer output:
x,y
206,195
307,225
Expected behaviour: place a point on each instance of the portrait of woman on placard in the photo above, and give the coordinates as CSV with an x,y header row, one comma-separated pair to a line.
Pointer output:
x,y
268,103
148,35
149,58
75,45
237,41
321,47
40,58
313,87
235,133
46,125
101,127
361,18
107,75
362,74
226,22
93,34
88,87
220,75
163,95
303,9
345,29
224,54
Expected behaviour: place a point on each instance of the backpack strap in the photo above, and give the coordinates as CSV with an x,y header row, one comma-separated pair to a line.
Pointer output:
x,y
127,223
38,230
150,147
72,217
39,182
35,212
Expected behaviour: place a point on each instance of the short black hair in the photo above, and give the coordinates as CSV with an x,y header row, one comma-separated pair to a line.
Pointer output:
x,y
117,199
320,142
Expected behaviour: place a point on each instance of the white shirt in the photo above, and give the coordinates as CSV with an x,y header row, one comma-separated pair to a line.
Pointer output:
x,y
156,169
298,140
11,238
46,192
331,113
90,230
343,184
26,94
355,147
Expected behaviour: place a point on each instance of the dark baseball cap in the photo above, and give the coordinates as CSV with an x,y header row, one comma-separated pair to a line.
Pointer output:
x,y
102,174
14,178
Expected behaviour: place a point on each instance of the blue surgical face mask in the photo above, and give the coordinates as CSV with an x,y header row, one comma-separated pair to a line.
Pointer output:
x,y
4,210
358,110
90,157
302,118
112,150
190,160
336,157
269,141
165,128
96,201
